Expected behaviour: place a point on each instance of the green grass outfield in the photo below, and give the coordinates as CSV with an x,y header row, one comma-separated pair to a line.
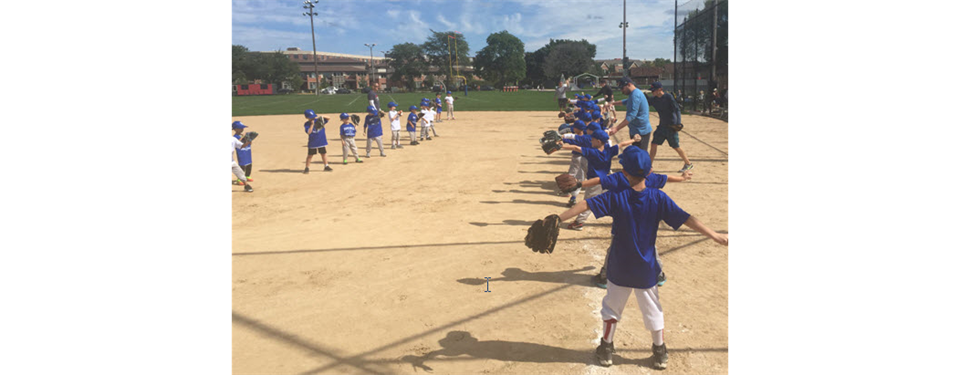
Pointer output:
x,y
356,103
292,104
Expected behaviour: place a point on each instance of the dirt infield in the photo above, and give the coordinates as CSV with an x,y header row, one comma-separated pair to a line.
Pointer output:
x,y
379,267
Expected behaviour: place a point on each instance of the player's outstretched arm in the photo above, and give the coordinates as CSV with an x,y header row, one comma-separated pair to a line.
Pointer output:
x,y
686,176
575,210
571,147
590,183
696,225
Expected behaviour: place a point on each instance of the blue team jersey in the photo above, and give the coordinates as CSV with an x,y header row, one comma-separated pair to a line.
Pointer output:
x,y
439,105
372,124
579,140
598,162
412,122
618,181
244,155
348,130
317,137
636,217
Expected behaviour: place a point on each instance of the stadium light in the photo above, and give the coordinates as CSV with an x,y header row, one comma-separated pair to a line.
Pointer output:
x,y
316,71
624,25
371,45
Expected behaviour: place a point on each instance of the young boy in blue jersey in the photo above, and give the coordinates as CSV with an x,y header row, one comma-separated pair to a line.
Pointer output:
x,y
439,104
373,130
636,214
348,134
244,155
617,182
598,156
317,139
577,165
412,125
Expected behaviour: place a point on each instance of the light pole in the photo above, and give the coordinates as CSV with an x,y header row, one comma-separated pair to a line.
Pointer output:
x,y
371,45
316,71
624,25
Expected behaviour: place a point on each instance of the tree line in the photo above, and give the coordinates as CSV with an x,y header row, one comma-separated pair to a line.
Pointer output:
x,y
501,62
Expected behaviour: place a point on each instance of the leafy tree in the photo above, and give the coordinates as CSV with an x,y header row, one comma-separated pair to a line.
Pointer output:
x,y
502,60
240,64
536,62
408,62
568,59
440,46
660,62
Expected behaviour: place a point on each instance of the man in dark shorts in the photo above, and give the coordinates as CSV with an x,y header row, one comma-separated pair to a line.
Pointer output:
x,y
669,112
561,94
372,96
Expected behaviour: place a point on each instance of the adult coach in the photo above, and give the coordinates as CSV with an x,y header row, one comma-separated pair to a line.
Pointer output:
x,y
605,90
638,114
561,93
669,112
372,96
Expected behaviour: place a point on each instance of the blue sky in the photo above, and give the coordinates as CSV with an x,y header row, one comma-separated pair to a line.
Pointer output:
x,y
344,26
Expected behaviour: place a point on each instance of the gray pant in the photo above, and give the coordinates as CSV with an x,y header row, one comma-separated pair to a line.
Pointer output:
x,y
413,136
424,131
576,170
395,137
237,171
591,192
379,140
350,144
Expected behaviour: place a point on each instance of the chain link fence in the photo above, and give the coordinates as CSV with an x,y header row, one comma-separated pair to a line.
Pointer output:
x,y
701,56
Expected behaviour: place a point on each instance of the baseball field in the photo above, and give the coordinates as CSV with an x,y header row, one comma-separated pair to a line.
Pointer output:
x,y
382,267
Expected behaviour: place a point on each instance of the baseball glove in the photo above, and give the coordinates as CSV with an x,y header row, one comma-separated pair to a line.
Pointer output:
x,y
542,235
249,137
419,116
567,183
677,127
382,113
550,142
355,119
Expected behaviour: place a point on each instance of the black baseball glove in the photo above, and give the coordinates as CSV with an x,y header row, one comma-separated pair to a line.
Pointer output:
x,y
355,119
677,127
542,235
550,142
249,137
419,116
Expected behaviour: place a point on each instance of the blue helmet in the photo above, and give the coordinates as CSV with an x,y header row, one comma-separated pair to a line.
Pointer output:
x,y
309,114
391,104
238,125
413,108
371,109
344,116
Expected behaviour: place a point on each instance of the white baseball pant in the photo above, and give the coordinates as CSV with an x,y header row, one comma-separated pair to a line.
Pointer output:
x,y
616,299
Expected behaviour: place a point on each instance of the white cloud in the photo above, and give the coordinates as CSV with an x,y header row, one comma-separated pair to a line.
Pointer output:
x,y
448,24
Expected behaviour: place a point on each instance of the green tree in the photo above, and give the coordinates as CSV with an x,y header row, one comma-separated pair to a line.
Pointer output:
x,y
441,46
501,61
408,62
241,61
568,59
536,61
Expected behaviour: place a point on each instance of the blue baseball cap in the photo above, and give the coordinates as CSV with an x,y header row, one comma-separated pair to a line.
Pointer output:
x,y
596,115
371,109
309,114
588,97
344,116
391,104
635,161
593,127
600,135
579,125
656,85
238,125
413,108
448,92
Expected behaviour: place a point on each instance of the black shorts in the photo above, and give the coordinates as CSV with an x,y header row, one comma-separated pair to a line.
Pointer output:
x,y
320,150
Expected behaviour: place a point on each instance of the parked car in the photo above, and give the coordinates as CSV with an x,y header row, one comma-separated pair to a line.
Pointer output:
x,y
437,88
285,90
329,90
344,91
526,87
486,88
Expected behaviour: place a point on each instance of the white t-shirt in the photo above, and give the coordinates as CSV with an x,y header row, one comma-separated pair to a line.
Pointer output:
x,y
235,144
429,115
394,124
449,100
